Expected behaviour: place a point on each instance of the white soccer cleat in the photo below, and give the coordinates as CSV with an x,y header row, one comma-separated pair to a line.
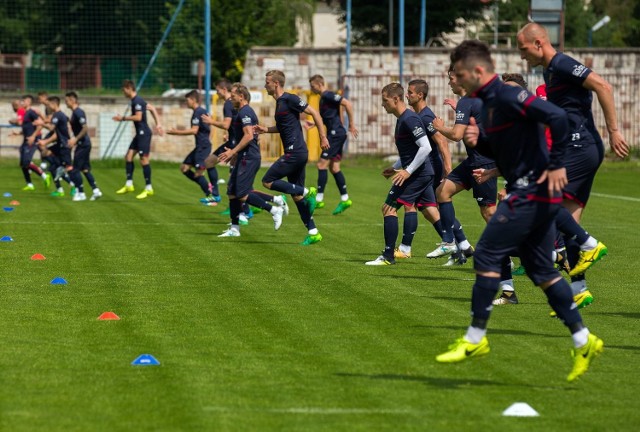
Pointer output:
x,y
277,217
231,232
281,201
80,196
97,194
443,249
380,261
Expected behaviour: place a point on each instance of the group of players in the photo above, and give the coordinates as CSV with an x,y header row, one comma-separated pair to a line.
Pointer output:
x,y
548,175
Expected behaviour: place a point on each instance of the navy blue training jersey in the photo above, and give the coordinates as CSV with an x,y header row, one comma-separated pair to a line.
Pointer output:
x,y
204,130
28,127
228,111
427,116
246,117
330,113
78,121
288,109
514,134
60,121
409,129
564,78
140,105
466,108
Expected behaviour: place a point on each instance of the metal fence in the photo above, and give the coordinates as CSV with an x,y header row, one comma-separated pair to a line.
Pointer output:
x,y
377,127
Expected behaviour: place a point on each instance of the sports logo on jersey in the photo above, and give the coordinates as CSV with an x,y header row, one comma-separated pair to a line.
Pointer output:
x,y
522,96
337,97
246,120
82,120
195,121
418,131
578,70
54,120
138,107
459,116
430,128
302,103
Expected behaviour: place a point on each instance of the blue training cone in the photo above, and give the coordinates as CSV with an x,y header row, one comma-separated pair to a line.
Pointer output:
x,y
58,281
6,239
146,360
7,195
7,209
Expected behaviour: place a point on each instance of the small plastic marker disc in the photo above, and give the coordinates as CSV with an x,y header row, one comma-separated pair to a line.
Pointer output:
x,y
7,195
6,239
14,203
37,257
58,281
520,409
108,316
7,209
145,360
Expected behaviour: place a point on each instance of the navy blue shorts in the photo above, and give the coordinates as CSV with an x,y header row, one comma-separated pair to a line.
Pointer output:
x,y
65,156
81,158
290,165
224,147
26,153
523,224
141,143
336,145
242,177
582,163
417,191
438,169
485,194
197,156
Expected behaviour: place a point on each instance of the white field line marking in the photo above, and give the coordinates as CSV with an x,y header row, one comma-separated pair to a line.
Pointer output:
x,y
314,410
618,197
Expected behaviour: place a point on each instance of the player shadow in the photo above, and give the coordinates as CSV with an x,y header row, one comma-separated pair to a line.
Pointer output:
x,y
465,299
622,347
421,278
630,315
446,383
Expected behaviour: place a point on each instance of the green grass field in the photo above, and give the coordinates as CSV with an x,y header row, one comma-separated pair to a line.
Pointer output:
x,y
258,333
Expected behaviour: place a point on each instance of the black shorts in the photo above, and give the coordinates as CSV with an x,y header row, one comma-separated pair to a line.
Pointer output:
x,y
243,174
527,225
485,194
336,145
81,158
26,153
582,163
417,191
290,165
141,143
197,156
224,147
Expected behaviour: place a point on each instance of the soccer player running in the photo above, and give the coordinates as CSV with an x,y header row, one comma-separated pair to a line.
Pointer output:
x,y
440,158
30,134
412,173
141,143
293,162
513,137
330,104
193,166
569,85
245,157
223,88
461,178
61,136
81,142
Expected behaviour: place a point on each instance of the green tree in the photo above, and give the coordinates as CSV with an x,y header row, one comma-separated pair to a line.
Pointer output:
x,y
370,20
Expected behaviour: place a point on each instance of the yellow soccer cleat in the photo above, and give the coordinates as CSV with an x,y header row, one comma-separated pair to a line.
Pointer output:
x,y
29,187
588,258
583,299
582,357
125,189
398,254
145,193
462,349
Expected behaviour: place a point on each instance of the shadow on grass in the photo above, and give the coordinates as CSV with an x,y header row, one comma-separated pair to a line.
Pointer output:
x,y
630,315
495,331
450,383
623,347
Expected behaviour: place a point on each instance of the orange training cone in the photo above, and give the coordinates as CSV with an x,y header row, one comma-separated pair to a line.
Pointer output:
x,y
14,203
37,257
108,316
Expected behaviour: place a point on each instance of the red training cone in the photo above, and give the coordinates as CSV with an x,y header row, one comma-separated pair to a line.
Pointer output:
x,y
14,203
37,257
107,316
